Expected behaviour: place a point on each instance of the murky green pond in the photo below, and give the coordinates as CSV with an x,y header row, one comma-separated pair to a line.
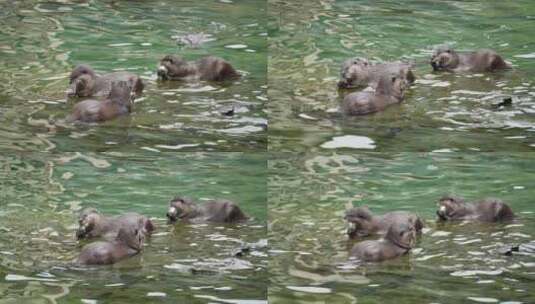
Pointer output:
x,y
450,264
41,42
308,41
43,193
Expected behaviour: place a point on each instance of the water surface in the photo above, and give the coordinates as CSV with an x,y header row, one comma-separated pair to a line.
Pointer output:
x,y
42,195
450,263
42,41
308,41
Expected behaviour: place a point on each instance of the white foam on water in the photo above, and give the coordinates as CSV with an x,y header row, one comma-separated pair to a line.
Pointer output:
x,y
349,141
16,277
310,289
483,300
529,56
467,273
236,46
177,147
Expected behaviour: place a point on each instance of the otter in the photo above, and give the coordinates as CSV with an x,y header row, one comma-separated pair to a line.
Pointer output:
x,y
359,73
84,82
363,223
119,102
218,211
399,239
93,224
451,208
129,242
389,91
446,58
208,68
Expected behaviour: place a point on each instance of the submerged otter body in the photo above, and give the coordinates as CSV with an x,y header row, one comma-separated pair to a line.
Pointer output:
x,y
218,211
389,91
483,60
208,68
488,210
363,223
129,242
360,73
84,82
119,102
92,224
399,240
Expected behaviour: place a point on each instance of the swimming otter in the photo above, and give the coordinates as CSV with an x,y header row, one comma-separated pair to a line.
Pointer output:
x,y
119,102
363,223
208,68
488,210
399,239
129,242
447,59
358,72
93,224
219,211
84,82
389,91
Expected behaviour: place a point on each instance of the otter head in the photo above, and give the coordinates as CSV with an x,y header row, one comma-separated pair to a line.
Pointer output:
x,y
173,67
399,86
81,81
444,58
360,222
179,207
353,72
121,92
450,207
393,85
87,221
132,236
402,234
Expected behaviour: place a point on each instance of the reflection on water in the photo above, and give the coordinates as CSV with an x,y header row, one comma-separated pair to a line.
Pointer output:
x,y
41,42
452,263
42,195
309,41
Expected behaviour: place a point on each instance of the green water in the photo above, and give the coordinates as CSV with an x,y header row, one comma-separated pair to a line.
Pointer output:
x,y
43,193
446,137
308,41
309,248
41,42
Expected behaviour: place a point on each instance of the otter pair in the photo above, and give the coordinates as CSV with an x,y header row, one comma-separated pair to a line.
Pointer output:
x,y
381,78
124,234
120,88
400,228
388,83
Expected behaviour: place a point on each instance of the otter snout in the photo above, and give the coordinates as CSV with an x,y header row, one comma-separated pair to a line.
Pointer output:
x,y
343,84
71,91
351,229
81,232
435,65
172,214
162,72
441,213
